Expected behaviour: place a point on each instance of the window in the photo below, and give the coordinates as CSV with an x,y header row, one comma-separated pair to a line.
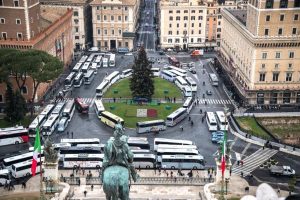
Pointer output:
x,y
288,76
199,40
2,21
76,21
177,40
263,66
218,29
192,40
19,36
178,11
200,17
184,32
296,3
105,44
199,24
199,31
99,44
119,18
126,44
76,29
120,32
185,25
170,11
126,18
112,31
185,18
185,11
262,77
192,32
126,8
266,31
76,37
75,13
192,24
296,17
18,21
169,40
268,18
111,7
269,3
283,3
193,17
16,3
24,90
177,25
112,18
281,17
290,66
170,32
177,32
98,17
193,11
276,66
4,35
294,31
291,54
98,7
1,2
277,55
275,76
119,44
105,17
200,11
280,31
171,18
177,18
99,31
104,7
170,25
264,55
105,31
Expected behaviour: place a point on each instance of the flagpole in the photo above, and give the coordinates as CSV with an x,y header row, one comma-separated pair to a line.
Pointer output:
x,y
225,150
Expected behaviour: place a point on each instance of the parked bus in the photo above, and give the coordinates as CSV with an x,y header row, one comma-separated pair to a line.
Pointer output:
x,y
187,91
112,60
222,121
211,121
110,119
23,169
140,151
84,160
176,117
155,71
105,62
90,58
50,125
36,123
181,162
75,142
177,73
69,110
59,108
94,67
13,135
188,104
77,67
86,67
181,151
78,80
192,84
175,146
69,80
144,161
47,110
113,77
99,108
83,59
81,106
165,74
101,89
57,146
123,50
98,60
180,82
150,126
88,77
62,124
142,144
126,73
8,162
182,71
213,79
4,177
166,141
173,61
80,150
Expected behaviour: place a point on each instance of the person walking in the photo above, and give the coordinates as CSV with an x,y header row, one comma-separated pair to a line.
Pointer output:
x,y
189,118
72,134
84,193
230,171
92,187
68,134
192,123
181,127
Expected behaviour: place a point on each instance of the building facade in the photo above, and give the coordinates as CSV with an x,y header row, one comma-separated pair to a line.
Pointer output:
x,y
81,20
182,24
260,52
114,23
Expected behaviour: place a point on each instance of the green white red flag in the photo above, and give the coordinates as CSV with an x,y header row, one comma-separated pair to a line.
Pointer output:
x,y
36,152
223,159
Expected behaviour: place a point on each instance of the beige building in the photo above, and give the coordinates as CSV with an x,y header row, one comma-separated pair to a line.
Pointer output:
x,y
260,52
114,23
182,24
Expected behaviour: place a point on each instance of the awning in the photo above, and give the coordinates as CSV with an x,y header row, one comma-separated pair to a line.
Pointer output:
x,y
128,34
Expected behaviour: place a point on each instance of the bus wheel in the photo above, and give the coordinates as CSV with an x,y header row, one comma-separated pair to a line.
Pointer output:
x,y
172,167
98,167
195,167
17,142
148,166
28,174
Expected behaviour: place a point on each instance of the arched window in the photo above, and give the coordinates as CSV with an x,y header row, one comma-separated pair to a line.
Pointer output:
x,y
283,3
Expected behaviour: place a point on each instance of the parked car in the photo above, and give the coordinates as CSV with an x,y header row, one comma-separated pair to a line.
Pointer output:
x,y
93,49
193,71
282,170
208,92
217,139
217,133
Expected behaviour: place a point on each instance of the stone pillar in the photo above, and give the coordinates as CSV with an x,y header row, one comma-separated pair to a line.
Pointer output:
x,y
50,171
219,171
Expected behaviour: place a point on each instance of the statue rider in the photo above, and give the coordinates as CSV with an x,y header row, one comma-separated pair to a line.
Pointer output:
x,y
117,152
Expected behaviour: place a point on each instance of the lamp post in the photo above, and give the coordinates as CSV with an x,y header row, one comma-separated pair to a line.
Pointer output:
x,y
226,184
225,151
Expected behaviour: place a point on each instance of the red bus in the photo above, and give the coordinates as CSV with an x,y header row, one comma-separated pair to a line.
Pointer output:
x,y
173,61
81,106
13,135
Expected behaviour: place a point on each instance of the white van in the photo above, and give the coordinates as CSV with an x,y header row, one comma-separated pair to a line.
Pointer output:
x,y
62,124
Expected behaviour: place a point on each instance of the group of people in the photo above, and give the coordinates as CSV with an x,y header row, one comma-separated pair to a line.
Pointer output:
x,y
10,186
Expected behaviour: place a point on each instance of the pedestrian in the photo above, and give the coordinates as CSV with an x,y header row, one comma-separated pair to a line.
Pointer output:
x,y
114,100
84,193
242,174
12,185
5,185
155,170
171,174
202,119
242,163
139,168
174,99
192,123
278,191
167,174
200,111
68,134
72,134
79,182
189,118
208,171
92,187
181,127
230,171
83,171
71,91
238,163
159,171
76,171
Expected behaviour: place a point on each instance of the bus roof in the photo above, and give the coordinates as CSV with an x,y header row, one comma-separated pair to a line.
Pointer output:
x,y
173,141
12,130
84,155
187,102
112,75
83,59
67,140
168,73
149,122
27,162
47,109
58,108
103,84
181,80
51,119
24,155
69,105
126,70
195,157
36,121
176,112
112,115
179,151
155,69
211,116
190,80
59,145
176,146
138,138
89,73
4,171
71,75
79,75
144,155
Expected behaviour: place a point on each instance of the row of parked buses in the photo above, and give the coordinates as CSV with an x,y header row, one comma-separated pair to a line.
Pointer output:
x,y
216,121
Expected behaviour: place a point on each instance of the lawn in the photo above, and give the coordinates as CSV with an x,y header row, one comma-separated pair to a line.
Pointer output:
x,y
128,112
25,122
249,125
160,85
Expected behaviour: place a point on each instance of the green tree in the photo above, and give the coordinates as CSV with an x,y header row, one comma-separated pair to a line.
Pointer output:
x,y
20,107
141,83
9,103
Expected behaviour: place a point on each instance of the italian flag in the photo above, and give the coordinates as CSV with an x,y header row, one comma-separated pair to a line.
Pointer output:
x,y
223,159
36,152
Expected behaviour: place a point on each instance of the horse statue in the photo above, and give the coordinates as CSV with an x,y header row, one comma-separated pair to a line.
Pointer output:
x,y
117,166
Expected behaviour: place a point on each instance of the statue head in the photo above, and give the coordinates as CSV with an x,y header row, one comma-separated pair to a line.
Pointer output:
x,y
118,130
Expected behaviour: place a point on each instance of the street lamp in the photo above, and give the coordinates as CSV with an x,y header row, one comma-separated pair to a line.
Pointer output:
x,y
226,184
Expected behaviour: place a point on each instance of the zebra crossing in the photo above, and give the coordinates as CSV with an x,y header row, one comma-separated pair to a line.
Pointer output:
x,y
215,101
253,161
85,100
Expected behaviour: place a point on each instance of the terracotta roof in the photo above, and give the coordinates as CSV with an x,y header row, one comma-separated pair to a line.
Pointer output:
x,y
50,15
124,2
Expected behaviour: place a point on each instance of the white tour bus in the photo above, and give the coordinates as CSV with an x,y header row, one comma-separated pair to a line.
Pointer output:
x,y
78,80
188,104
8,162
187,91
86,67
36,123
69,110
176,117
88,77
57,146
70,80
126,73
77,67
150,126
98,60
142,161
94,67
59,108
166,141
83,59
180,82
4,177
80,149
139,143
90,58
222,121
75,142
110,119
155,71
23,169
84,160
50,125
211,121
140,151
13,135
177,73
105,62
101,89
181,151
99,108
213,79
176,146
112,60
113,77
192,84
182,71
181,161
165,74
62,124
47,110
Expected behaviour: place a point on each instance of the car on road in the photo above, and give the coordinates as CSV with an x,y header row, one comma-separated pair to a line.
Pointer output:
x,y
191,64
193,71
93,49
161,52
146,24
208,92
217,139
217,133
282,170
